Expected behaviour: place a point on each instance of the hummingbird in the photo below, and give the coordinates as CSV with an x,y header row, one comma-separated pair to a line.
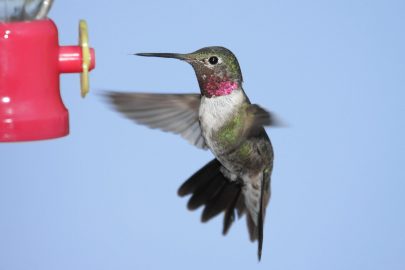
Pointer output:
x,y
220,118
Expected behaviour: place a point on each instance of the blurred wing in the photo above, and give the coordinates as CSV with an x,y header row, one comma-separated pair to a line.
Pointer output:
x,y
177,113
257,118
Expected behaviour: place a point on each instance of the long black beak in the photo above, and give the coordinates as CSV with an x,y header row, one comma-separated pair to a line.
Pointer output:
x,y
166,55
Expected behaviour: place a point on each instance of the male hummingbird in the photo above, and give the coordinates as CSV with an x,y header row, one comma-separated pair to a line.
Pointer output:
x,y
223,120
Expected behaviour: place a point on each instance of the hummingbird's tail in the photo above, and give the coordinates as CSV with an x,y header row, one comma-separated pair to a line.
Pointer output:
x,y
211,188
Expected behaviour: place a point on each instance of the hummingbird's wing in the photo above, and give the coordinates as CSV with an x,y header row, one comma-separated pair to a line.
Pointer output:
x,y
177,113
257,117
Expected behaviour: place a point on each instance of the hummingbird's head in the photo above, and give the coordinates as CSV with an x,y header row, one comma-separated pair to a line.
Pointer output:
x,y
217,69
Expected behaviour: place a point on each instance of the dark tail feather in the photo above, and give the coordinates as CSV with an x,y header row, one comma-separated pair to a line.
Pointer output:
x,y
256,231
261,218
200,178
211,188
204,194
230,213
219,202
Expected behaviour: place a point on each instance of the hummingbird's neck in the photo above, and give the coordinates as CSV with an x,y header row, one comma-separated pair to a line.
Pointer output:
x,y
218,86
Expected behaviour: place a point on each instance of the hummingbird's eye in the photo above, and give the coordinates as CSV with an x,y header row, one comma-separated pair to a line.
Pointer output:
x,y
213,60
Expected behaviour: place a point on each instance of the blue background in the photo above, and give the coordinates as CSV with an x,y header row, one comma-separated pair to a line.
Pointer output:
x,y
105,196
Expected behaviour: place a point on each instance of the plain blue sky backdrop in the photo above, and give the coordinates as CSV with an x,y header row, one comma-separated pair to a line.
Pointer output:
x,y
105,196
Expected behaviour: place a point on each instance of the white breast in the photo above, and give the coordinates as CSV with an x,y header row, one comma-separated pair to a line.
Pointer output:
x,y
215,112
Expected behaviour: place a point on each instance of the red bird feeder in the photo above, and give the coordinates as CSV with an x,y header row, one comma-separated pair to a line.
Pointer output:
x,y
31,61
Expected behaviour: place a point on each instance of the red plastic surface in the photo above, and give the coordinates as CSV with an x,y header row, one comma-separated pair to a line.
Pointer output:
x,y
30,64
70,59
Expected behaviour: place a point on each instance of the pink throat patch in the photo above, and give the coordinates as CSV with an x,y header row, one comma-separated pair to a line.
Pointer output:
x,y
221,88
